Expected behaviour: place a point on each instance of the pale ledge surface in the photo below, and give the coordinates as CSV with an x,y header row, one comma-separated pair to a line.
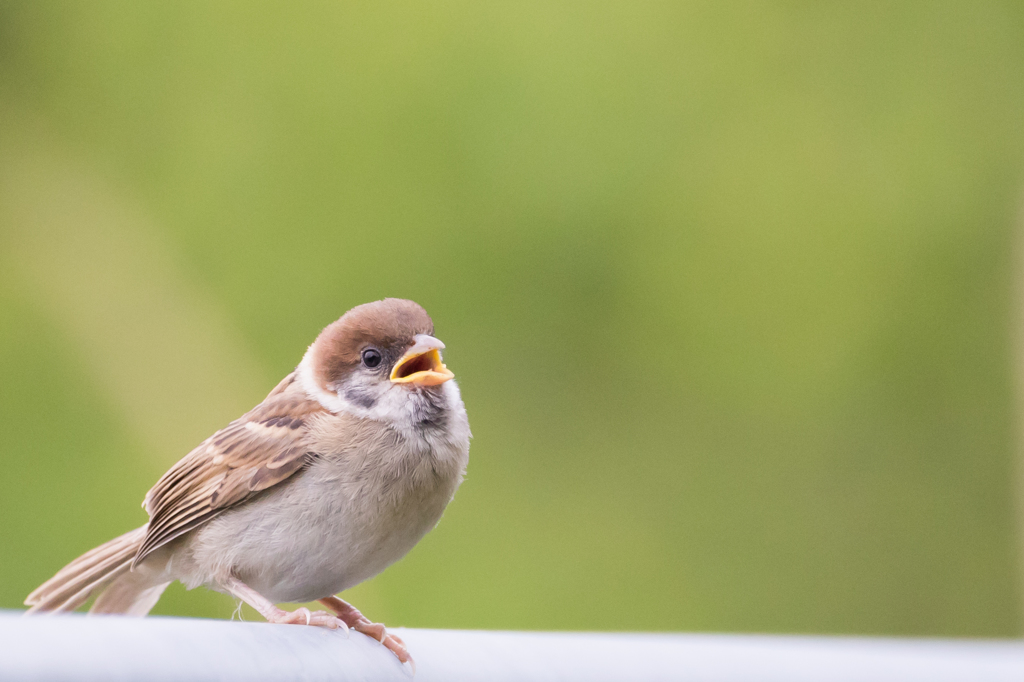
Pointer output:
x,y
113,648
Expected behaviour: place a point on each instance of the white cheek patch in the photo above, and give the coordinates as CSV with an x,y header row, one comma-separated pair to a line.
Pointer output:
x,y
330,401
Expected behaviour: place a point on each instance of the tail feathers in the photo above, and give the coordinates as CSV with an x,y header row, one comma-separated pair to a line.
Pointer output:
x,y
89,573
132,594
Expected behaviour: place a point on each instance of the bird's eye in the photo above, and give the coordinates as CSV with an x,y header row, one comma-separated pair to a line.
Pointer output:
x,y
371,357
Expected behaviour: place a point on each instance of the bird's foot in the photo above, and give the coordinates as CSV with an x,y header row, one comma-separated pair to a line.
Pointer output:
x,y
303,616
267,609
351,616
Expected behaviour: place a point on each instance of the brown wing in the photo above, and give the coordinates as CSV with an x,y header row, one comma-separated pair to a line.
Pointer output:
x,y
250,454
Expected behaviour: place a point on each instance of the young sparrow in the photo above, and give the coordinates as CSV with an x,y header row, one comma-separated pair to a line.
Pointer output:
x,y
348,462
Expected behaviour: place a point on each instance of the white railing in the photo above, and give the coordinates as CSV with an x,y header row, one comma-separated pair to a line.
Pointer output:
x,y
112,648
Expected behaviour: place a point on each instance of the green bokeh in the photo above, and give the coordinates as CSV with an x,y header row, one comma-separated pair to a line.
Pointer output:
x,y
729,289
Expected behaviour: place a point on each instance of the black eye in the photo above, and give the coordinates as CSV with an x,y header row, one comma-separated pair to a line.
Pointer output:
x,y
371,357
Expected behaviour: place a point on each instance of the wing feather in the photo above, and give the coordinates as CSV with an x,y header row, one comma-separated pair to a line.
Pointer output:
x,y
252,453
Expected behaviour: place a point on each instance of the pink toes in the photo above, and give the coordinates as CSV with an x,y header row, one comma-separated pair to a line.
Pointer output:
x,y
303,616
351,616
394,644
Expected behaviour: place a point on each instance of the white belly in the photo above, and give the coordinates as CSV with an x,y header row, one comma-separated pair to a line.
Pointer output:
x,y
305,543
329,527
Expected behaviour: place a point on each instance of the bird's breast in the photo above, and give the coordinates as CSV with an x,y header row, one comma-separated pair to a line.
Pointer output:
x,y
366,498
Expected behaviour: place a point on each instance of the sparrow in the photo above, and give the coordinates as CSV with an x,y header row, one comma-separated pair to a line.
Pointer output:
x,y
337,474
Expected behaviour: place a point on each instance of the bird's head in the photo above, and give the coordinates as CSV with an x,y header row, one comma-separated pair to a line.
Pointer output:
x,y
379,360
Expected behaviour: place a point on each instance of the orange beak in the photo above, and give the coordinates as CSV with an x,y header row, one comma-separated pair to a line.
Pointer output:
x,y
421,365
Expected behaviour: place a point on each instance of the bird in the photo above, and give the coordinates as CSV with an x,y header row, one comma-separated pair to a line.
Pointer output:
x,y
348,462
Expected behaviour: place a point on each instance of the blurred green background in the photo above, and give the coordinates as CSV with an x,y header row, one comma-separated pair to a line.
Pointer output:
x,y
730,290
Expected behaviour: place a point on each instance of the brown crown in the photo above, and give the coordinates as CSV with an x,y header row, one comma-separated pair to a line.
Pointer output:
x,y
388,324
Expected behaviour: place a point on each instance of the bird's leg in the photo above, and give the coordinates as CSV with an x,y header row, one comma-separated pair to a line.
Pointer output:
x,y
268,610
360,623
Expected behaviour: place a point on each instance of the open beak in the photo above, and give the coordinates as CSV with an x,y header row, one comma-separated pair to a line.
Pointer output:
x,y
421,365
